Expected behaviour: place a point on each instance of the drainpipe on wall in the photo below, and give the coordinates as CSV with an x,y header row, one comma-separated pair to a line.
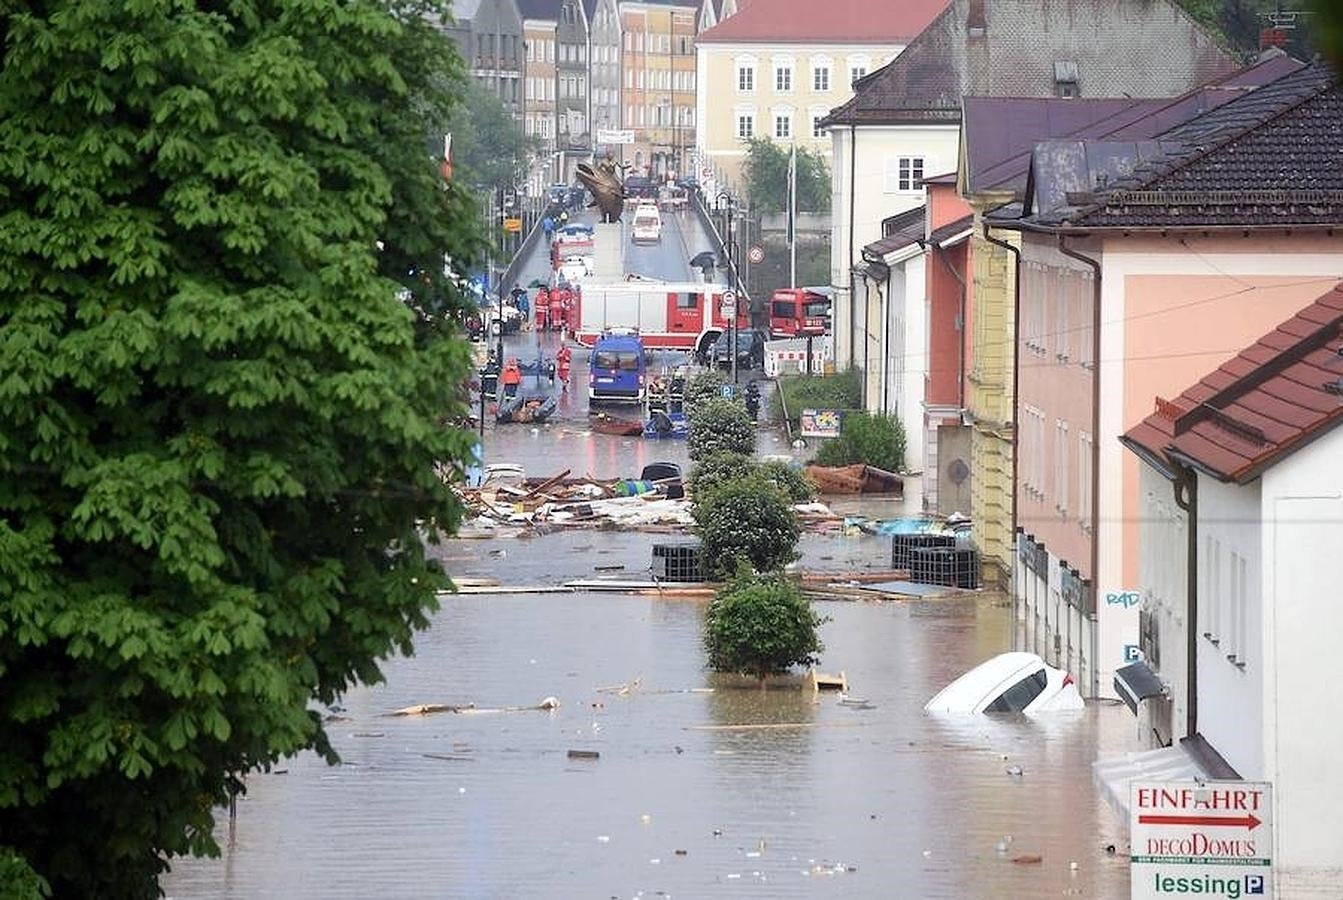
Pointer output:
x,y
853,180
1095,414
1186,483
878,265
1016,358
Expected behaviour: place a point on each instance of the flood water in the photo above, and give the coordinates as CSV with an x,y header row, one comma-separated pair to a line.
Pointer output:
x,y
490,805
685,799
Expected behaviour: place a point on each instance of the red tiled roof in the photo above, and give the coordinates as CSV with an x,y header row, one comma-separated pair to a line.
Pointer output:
x,y
1257,408
826,22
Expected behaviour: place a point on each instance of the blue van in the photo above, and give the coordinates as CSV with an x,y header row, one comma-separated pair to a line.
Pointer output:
x,y
616,368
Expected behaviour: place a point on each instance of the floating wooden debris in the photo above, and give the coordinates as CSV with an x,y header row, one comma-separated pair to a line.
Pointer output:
x,y
820,681
584,754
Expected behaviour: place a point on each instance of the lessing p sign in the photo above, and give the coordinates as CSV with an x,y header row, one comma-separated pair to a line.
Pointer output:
x,y
1205,839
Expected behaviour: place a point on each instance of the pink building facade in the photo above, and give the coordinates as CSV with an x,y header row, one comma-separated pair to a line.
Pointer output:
x,y
1171,308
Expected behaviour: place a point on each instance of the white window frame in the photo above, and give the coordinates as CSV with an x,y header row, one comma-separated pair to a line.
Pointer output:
x,y
817,132
858,67
1062,450
783,117
745,116
820,76
1085,461
783,77
900,177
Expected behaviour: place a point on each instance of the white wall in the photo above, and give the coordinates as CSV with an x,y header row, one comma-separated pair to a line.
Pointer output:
x,y
939,147
1163,566
1231,705
1287,256
909,362
1303,625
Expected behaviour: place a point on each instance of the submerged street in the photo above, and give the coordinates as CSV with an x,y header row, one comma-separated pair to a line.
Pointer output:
x,y
699,789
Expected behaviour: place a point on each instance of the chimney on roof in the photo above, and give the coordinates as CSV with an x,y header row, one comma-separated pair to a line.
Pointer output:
x,y
975,23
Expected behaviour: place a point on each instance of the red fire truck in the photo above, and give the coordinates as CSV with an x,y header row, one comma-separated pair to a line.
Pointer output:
x,y
798,312
674,315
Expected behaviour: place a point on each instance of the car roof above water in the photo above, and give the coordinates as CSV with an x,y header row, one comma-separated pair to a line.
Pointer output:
x,y
986,680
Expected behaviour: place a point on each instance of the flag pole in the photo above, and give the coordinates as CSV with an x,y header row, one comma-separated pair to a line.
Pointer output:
x,y
792,217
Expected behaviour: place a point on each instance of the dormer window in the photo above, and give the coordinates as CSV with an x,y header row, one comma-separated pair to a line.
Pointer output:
x,y
1065,79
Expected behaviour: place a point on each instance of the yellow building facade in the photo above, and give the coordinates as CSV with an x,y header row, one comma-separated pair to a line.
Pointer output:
x,y
989,397
773,90
658,84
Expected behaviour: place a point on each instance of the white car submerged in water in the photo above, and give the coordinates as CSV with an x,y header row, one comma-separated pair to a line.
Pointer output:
x,y
1010,683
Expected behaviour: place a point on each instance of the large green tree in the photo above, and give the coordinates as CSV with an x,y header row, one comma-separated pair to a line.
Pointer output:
x,y
766,171
227,370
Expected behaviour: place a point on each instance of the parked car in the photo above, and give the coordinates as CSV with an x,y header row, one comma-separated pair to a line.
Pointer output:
x,y
647,227
750,349
1009,683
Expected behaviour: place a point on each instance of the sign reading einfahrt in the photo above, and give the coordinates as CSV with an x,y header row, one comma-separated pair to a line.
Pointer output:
x,y
1210,839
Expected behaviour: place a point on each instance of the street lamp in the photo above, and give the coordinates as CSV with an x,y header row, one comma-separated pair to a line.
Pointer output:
x,y
730,253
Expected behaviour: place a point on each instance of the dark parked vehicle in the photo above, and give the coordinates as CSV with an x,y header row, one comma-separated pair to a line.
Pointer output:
x,y
750,349
640,187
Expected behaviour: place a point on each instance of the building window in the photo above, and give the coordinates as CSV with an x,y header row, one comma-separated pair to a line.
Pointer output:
x,y
817,130
1062,449
856,72
783,79
820,78
783,125
1032,451
1085,460
1063,336
1212,556
745,125
904,174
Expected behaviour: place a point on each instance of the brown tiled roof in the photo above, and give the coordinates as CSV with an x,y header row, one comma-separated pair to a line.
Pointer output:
x,y
1269,401
1273,157
826,22
941,235
1015,49
1001,132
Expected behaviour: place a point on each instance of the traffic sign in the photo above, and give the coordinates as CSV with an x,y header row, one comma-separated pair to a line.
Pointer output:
x,y
1209,837
513,225
729,304
726,391
756,254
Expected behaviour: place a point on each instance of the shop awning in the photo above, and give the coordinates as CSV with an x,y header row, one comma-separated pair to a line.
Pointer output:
x,y
1136,682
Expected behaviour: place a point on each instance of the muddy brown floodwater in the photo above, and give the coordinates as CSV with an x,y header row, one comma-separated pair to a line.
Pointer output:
x,y
834,801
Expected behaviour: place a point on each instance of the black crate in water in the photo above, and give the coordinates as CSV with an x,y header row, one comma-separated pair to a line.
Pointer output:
x,y
676,562
942,565
902,545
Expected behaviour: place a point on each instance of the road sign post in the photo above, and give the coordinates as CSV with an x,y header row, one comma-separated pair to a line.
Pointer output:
x,y
756,254
729,307
1213,838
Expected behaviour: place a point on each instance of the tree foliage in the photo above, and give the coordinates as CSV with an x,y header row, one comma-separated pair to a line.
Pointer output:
x,y
228,361
766,173
703,387
489,149
745,521
718,467
870,438
720,425
761,625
